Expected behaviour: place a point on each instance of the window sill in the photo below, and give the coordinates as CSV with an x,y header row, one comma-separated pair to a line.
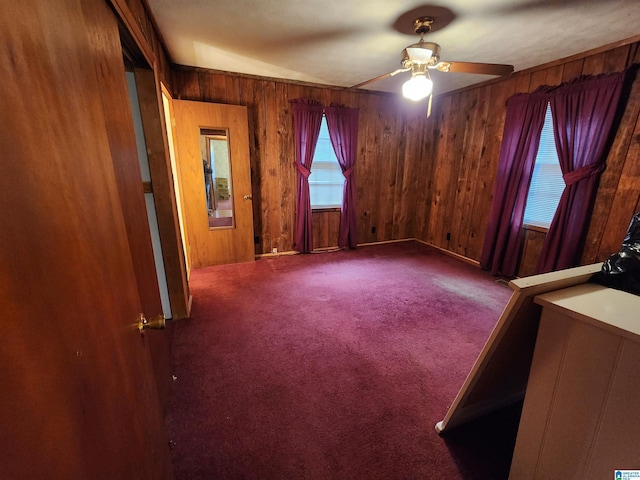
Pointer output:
x,y
324,209
535,228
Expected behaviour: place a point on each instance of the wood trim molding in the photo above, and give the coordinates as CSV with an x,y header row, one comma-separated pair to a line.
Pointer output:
x,y
325,209
449,252
535,228
150,100
187,68
544,66
156,29
578,56
133,28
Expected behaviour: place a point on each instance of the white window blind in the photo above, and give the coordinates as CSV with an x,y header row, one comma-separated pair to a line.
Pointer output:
x,y
547,184
326,181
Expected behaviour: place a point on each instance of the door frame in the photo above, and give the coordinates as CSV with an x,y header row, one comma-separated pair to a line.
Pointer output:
x,y
162,184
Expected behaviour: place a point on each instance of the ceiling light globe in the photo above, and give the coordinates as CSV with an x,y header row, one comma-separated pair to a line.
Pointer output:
x,y
417,87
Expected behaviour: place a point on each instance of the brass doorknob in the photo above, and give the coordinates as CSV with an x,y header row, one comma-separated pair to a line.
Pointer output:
x,y
156,323
248,197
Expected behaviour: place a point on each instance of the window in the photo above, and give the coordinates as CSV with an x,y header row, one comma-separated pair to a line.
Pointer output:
x,y
547,184
326,181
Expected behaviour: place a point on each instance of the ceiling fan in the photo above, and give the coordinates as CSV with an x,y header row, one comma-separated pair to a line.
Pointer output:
x,y
420,57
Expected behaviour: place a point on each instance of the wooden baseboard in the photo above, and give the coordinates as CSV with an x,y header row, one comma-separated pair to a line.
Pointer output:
x,y
329,249
368,244
383,242
274,255
449,252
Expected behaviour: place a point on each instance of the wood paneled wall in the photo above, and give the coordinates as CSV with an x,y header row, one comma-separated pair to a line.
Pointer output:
x,y
416,177
431,179
390,169
467,143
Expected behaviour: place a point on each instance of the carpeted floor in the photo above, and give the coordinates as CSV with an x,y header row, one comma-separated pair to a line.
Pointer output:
x,y
335,366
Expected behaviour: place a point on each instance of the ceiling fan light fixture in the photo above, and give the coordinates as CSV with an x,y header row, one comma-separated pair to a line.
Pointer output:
x,y
419,54
417,87
423,56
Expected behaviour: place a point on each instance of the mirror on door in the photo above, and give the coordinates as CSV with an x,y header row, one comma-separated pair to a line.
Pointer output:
x,y
214,147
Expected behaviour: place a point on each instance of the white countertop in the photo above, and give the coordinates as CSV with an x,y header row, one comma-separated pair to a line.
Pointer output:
x,y
600,306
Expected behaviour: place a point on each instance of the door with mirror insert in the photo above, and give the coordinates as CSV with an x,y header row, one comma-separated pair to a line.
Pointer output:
x,y
213,163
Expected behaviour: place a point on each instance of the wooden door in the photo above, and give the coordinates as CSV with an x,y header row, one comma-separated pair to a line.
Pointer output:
x,y
167,105
225,244
79,397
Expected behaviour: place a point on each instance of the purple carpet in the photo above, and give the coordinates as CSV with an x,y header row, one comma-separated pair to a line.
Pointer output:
x,y
335,366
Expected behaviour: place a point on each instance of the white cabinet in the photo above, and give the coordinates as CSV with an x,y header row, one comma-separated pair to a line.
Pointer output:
x,y
581,413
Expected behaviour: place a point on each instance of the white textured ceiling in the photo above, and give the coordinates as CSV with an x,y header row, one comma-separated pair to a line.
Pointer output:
x,y
345,42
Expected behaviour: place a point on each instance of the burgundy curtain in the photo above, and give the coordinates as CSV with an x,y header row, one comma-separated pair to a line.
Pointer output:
x,y
583,115
342,123
520,140
307,118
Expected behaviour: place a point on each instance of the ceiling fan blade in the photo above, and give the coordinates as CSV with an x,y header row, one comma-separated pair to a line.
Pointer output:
x,y
386,75
480,68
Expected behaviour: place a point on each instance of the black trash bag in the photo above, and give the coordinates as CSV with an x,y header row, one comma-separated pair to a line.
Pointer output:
x,y
622,270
